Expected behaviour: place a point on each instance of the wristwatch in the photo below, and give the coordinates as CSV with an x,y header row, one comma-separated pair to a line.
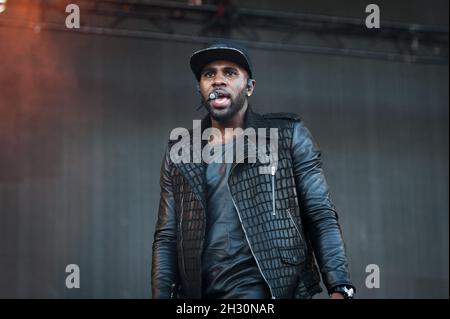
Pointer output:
x,y
347,291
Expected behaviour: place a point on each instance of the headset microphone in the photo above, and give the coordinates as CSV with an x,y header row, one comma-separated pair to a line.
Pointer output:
x,y
213,95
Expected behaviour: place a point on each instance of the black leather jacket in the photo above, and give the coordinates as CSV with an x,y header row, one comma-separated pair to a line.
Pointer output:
x,y
286,218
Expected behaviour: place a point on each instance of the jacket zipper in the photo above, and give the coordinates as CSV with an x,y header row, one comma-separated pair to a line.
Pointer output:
x,y
181,231
295,224
246,237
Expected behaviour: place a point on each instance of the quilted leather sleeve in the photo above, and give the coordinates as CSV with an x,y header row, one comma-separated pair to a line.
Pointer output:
x,y
317,210
164,258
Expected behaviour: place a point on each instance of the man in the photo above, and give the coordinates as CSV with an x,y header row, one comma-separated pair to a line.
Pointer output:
x,y
226,230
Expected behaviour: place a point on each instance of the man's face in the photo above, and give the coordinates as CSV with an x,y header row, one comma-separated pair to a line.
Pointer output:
x,y
230,81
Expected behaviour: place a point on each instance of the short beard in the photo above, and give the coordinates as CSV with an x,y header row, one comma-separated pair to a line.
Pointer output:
x,y
235,106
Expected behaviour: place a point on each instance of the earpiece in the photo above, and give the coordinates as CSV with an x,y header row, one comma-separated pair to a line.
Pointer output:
x,y
249,84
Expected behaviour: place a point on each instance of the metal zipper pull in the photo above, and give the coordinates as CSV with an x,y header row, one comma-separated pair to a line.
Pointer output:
x,y
273,171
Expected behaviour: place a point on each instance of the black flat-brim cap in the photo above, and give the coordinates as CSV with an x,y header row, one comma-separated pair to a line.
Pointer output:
x,y
226,51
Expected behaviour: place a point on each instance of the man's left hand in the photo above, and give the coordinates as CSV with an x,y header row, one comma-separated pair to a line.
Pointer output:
x,y
336,295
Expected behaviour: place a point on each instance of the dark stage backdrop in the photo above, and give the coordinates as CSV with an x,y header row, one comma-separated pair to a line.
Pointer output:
x,y
84,120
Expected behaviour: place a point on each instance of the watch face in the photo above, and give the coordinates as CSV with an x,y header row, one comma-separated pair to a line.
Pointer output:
x,y
349,291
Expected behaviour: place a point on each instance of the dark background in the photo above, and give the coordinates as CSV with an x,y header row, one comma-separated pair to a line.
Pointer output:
x,y
84,120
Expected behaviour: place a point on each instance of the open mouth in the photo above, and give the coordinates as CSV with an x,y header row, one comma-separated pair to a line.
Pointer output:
x,y
221,102
223,94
